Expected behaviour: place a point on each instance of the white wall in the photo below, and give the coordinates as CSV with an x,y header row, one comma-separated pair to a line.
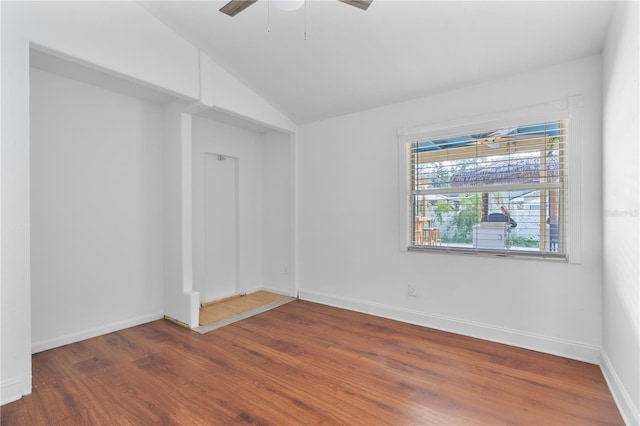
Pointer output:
x,y
123,40
229,94
96,211
119,38
348,225
245,146
16,295
621,295
180,301
277,216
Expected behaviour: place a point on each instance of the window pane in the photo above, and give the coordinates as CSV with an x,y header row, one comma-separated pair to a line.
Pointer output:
x,y
501,190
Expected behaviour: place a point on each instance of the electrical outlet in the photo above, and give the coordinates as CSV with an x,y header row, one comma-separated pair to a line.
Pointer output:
x,y
412,290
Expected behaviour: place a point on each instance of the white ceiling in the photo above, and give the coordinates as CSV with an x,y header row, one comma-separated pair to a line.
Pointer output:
x,y
353,60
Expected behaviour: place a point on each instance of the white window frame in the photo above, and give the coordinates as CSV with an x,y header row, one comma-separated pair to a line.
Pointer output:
x,y
569,108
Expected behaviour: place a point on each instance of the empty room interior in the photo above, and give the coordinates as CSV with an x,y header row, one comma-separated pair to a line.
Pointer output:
x,y
445,192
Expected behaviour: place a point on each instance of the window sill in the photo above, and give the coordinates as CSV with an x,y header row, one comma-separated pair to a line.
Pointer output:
x,y
509,254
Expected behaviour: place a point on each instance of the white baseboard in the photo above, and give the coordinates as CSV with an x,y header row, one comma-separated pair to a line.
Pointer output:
x,y
93,332
628,410
540,343
11,390
276,291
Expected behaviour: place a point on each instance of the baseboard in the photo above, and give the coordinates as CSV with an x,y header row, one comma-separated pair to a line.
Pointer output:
x,y
628,410
11,390
540,343
276,291
93,332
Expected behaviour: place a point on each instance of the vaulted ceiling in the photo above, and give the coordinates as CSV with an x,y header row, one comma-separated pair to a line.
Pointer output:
x,y
353,60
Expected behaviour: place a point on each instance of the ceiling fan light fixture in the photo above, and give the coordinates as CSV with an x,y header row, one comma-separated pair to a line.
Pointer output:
x,y
288,5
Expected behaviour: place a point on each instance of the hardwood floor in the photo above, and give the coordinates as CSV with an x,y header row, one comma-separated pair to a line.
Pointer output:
x,y
216,311
305,363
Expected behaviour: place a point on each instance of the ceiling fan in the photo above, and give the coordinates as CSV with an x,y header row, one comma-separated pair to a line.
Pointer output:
x,y
236,6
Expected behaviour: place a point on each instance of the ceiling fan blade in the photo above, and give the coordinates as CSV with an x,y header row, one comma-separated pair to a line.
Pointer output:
x,y
236,6
360,4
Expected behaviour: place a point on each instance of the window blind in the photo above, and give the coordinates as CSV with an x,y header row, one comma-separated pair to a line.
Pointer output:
x,y
501,191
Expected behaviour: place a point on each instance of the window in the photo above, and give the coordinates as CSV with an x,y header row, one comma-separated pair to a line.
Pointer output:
x,y
499,190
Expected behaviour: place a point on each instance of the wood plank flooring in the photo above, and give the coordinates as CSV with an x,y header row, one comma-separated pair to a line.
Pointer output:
x,y
216,311
304,363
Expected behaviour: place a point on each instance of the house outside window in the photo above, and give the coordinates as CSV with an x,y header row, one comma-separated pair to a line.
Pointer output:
x,y
502,190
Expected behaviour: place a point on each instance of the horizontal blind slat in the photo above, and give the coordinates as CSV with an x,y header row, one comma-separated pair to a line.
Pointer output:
x,y
457,183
